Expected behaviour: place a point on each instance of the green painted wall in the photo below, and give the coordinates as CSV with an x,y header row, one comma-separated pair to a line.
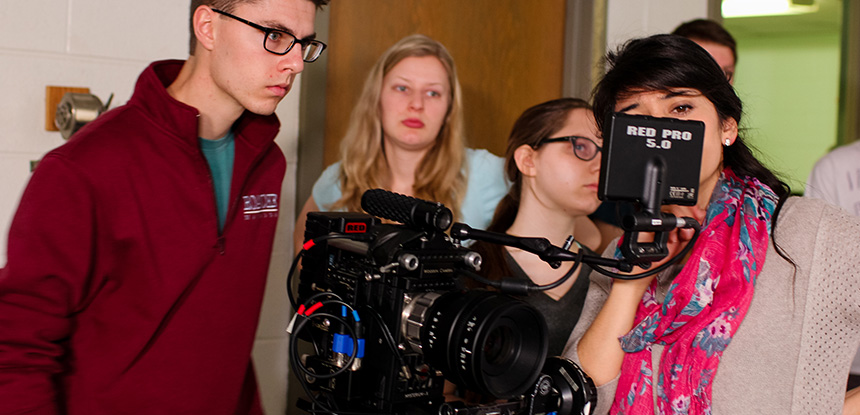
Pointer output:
x,y
789,85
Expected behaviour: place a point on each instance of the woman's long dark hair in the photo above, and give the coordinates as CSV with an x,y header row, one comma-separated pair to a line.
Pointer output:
x,y
536,123
664,62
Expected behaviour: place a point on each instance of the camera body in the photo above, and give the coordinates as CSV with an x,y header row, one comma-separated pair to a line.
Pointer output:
x,y
417,326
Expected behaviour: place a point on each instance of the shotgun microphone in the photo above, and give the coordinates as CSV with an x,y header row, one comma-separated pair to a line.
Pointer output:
x,y
415,213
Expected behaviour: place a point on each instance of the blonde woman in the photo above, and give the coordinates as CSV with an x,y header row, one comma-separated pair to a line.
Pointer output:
x,y
406,135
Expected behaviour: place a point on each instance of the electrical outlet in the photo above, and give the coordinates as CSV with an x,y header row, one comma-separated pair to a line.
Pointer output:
x,y
53,96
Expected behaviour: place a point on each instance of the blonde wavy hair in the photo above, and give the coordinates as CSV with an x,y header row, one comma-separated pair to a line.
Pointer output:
x,y
362,155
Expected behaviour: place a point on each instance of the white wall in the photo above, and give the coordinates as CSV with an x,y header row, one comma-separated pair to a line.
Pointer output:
x,y
104,45
85,43
627,19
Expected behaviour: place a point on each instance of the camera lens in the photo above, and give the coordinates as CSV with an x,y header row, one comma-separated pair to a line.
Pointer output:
x,y
486,341
498,348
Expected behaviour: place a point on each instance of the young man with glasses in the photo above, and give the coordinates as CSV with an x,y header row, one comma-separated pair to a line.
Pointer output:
x,y
138,256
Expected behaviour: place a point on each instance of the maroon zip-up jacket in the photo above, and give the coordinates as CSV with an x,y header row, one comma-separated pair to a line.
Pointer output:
x,y
119,295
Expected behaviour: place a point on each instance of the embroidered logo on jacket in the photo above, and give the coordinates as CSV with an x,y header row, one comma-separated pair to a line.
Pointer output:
x,y
260,206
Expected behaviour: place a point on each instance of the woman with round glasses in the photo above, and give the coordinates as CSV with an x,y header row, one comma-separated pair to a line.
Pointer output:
x,y
553,161
763,314
406,135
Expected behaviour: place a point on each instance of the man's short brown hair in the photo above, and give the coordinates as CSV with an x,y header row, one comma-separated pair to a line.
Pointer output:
x,y
708,31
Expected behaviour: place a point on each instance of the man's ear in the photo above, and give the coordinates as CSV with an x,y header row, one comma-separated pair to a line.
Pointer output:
x,y
204,31
524,157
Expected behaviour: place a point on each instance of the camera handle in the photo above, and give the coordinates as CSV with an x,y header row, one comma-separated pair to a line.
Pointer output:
x,y
651,219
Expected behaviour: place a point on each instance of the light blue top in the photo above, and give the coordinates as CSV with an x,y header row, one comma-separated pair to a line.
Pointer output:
x,y
219,154
485,187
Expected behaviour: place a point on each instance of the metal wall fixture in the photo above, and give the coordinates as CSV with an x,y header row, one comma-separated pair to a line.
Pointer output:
x,y
76,110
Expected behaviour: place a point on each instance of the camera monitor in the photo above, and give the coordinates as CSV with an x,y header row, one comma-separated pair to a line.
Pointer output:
x,y
647,158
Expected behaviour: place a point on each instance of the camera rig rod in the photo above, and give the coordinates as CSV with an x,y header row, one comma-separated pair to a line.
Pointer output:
x,y
538,246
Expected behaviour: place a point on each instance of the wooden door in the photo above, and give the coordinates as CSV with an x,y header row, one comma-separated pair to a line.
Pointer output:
x,y
509,56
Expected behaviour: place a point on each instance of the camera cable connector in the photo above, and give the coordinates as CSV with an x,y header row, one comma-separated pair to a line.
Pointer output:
x,y
343,345
303,316
303,312
292,325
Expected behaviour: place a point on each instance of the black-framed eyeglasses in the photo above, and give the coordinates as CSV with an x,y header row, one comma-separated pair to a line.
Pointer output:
x,y
280,42
584,148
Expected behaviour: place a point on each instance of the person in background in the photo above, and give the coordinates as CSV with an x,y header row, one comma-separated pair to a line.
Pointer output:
x,y
835,178
406,135
139,253
715,39
763,314
553,163
721,45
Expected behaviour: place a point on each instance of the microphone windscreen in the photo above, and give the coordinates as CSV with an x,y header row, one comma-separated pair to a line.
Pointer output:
x,y
410,211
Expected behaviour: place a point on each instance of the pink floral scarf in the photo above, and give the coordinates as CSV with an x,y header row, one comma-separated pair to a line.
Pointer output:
x,y
704,307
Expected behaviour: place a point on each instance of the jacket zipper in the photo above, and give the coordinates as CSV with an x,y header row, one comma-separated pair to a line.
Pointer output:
x,y
233,203
219,240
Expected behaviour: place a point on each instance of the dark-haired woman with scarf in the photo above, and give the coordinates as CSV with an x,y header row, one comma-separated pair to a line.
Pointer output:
x,y
763,315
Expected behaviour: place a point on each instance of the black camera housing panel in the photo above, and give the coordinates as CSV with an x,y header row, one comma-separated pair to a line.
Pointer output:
x,y
638,145
346,267
404,284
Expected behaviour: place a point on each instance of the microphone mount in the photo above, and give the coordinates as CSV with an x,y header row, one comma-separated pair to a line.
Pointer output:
x,y
539,246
